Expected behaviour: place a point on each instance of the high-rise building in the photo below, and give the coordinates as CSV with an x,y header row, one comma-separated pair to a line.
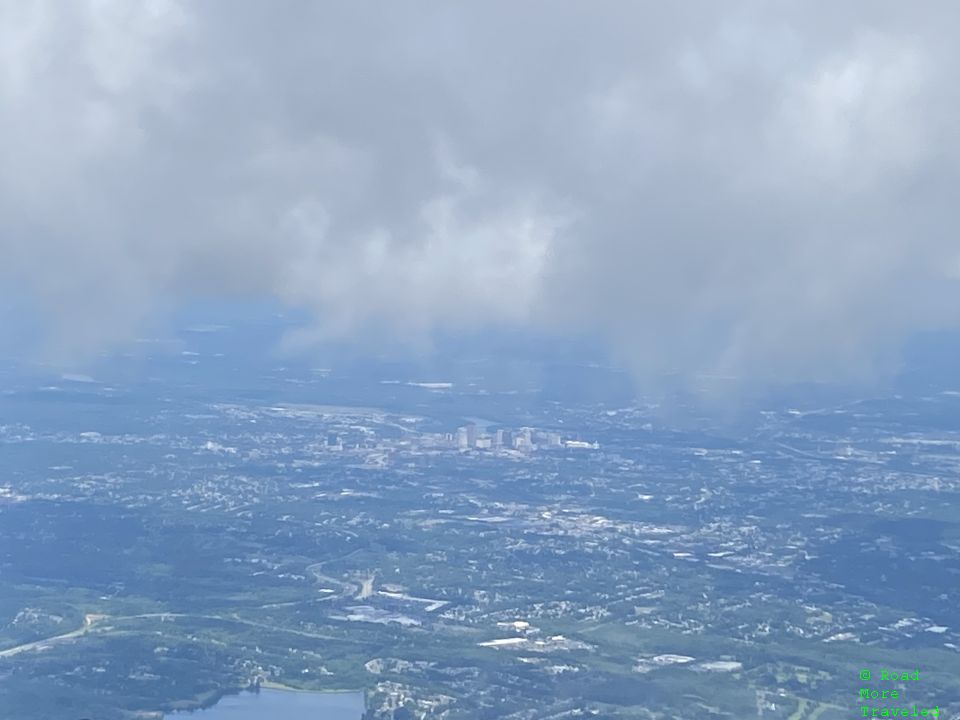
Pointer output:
x,y
524,441
506,438
471,435
463,438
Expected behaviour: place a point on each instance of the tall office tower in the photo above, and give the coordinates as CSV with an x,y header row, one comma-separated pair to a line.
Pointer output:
x,y
506,439
525,440
471,435
498,438
463,440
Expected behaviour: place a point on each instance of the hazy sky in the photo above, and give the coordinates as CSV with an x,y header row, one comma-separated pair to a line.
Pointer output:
x,y
759,188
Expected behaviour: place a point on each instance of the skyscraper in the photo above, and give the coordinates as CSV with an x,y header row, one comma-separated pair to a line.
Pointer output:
x,y
525,440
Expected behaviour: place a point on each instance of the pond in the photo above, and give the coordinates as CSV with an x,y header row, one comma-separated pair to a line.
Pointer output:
x,y
269,704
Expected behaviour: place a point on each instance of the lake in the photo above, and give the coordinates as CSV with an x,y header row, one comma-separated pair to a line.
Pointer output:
x,y
270,704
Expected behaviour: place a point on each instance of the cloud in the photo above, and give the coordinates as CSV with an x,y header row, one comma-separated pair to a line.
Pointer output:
x,y
740,188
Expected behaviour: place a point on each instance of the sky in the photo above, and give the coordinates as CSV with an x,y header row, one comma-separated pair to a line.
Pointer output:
x,y
762,190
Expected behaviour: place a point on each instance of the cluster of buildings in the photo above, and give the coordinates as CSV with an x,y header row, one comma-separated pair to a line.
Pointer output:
x,y
470,437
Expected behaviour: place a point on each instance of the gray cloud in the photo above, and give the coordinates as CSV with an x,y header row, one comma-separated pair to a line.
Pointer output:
x,y
759,189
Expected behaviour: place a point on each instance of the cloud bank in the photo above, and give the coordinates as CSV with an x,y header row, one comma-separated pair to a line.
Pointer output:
x,y
748,188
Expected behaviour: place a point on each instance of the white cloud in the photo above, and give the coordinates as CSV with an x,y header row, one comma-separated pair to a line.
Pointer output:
x,y
739,187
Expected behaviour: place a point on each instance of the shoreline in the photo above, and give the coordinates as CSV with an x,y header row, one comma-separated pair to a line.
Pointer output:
x,y
271,685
